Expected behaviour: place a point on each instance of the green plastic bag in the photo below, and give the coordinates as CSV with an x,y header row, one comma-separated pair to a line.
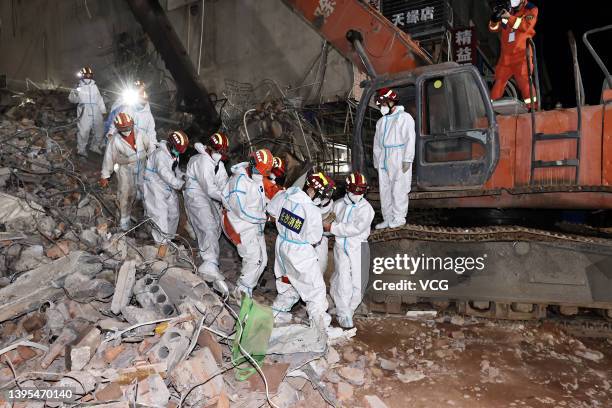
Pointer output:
x,y
257,322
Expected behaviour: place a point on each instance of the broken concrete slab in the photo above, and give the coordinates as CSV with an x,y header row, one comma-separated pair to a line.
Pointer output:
x,y
135,315
287,396
124,287
182,284
150,295
353,375
17,214
109,393
172,346
152,392
35,287
83,289
31,257
274,373
67,337
78,356
206,339
199,368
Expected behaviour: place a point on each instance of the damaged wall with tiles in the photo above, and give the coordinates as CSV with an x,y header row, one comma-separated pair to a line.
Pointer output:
x,y
243,40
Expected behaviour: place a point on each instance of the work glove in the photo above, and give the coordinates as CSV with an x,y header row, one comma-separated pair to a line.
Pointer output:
x,y
406,166
103,182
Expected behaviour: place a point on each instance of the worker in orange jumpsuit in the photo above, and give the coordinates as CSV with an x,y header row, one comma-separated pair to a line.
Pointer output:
x,y
516,27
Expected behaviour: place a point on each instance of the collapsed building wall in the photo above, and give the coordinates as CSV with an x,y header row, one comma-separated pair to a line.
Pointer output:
x,y
242,40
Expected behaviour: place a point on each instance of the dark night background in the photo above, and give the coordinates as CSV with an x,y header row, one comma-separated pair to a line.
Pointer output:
x,y
555,19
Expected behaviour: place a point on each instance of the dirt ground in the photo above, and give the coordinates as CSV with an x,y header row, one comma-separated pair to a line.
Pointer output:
x,y
478,363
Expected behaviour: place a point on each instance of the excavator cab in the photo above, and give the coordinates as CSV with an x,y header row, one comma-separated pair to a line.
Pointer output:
x,y
457,142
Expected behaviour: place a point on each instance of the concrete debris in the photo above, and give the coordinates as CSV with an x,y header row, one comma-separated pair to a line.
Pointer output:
x,y
345,391
87,306
151,295
37,286
353,375
199,370
372,401
410,376
124,287
592,355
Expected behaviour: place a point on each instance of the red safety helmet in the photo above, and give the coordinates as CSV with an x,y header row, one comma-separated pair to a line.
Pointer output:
x,y
86,72
219,142
356,183
278,167
124,122
385,95
178,140
323,185
262,160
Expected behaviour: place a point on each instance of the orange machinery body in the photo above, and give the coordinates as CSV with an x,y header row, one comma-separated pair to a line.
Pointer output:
x,y
391,51
511,186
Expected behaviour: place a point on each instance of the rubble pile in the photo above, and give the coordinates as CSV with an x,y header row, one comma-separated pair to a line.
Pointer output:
x,y
263,116
90,309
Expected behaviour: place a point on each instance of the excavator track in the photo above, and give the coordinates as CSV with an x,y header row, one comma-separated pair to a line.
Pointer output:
x,y
480,234
528,273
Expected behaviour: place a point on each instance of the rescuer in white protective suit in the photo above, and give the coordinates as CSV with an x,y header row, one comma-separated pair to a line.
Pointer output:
x,y
244,217
325,205
127,156
135,102
162,179
296,264
206,177
354,215
394,144
90,109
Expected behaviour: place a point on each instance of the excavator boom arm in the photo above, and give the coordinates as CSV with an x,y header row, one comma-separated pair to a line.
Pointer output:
x,y
388,49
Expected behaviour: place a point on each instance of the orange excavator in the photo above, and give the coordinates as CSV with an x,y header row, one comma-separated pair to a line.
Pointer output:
x,y
478,154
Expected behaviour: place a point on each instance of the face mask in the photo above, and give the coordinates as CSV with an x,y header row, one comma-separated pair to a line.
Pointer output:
x,y
384,110
272,176
174,152
317,201
354,197
515,3
125,133
216,156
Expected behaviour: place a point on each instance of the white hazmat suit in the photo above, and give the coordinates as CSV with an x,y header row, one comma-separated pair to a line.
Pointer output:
x,y
143,120
203,186
245,202
160,197
296,264
131,162
351,229
394,144
323,246
90,109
